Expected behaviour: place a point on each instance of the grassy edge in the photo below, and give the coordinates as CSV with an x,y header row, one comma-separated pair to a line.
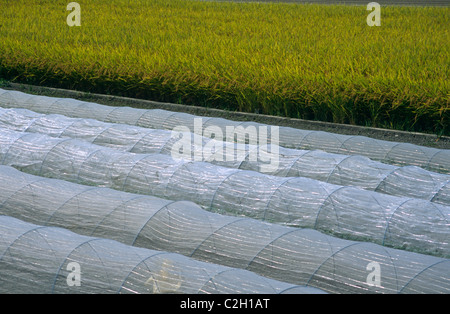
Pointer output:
x,y
417,138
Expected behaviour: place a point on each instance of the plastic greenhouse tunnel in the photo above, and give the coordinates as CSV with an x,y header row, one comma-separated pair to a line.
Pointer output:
x,y
344,211
396,153
147,201
347,170
36,259
123,240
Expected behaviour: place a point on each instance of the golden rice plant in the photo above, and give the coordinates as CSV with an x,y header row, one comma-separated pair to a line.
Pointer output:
x,y
307,61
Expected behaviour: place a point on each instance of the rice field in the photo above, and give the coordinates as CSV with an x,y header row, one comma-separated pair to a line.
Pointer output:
x,y
358,2
310,61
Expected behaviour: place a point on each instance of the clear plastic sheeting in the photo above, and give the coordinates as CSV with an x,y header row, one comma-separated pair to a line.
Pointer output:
x,y
343,211
302,257
42,260
332,168
396,153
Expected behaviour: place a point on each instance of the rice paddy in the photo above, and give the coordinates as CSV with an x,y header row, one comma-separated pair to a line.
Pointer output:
x,y
309,61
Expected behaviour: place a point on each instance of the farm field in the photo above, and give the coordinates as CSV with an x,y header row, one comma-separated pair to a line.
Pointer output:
x,y
357,2
306,61
113,200
213,174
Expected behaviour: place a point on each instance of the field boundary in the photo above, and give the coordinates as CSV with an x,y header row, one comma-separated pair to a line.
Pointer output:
x,y
424,139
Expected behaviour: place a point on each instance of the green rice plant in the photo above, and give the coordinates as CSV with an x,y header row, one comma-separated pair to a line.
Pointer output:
x,y
310,61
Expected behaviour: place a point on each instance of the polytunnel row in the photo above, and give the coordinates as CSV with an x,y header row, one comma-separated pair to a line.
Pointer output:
x,y
396,153
343,211
40,259
302,257
332,168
